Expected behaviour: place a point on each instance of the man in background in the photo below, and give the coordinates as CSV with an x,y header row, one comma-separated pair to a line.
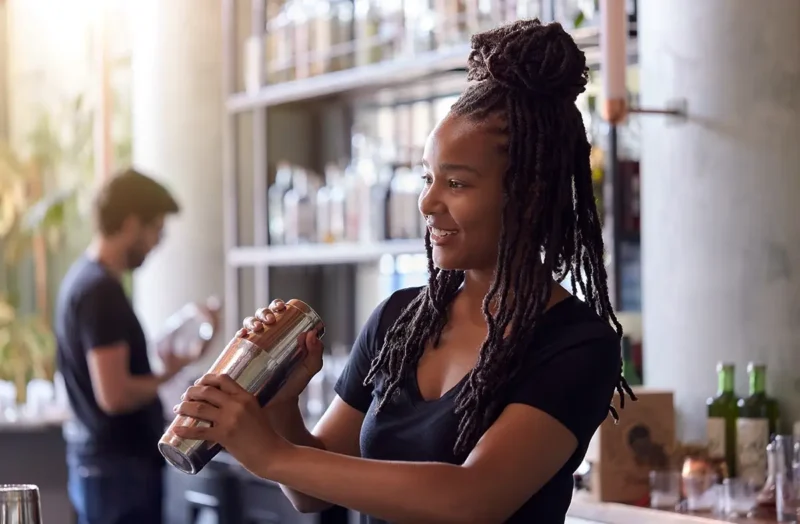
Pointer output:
x,y
115,469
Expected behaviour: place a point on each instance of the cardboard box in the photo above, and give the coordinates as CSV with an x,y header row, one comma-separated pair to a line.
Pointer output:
x,y
622,455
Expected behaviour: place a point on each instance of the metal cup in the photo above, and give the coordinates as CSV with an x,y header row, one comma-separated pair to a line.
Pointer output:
x,y
20,504
260,363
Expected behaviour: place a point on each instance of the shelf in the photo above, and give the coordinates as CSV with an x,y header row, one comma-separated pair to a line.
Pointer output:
x,y
402,71
321,254
389,73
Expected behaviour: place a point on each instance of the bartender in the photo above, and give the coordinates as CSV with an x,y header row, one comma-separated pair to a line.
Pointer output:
x,y
115,470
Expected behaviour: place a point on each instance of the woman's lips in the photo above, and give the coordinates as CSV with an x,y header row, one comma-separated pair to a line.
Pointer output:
x,y
440,237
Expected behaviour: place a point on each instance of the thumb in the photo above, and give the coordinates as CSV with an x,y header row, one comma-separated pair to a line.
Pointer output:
x,y
313,343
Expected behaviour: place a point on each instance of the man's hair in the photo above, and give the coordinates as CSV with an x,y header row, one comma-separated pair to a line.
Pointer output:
x,y
131,193
528,75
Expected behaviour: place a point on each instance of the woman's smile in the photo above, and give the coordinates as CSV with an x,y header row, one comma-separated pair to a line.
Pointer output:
x,y
442,237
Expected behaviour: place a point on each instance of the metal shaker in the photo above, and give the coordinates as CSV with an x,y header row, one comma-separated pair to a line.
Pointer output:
x,y
20,504
260,363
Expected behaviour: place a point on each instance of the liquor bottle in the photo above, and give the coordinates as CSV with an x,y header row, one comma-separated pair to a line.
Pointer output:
x,y
277,191
628,364
757,420
721,423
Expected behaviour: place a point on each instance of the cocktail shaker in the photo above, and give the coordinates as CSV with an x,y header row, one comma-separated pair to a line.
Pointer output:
x,y
260,362
19,504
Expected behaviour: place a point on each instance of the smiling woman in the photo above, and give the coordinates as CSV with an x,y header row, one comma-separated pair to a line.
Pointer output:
x,y
473,398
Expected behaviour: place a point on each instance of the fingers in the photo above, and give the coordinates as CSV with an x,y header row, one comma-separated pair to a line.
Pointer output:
x,y
224,383
252,324
195,432
313,343
199,410
277,305
209,394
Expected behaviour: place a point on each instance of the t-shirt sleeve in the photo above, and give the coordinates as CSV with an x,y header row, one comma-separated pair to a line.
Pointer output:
x,y
98,316
350,385
575,386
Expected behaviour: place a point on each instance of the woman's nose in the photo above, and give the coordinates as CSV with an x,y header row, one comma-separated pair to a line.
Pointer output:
x,y
430,201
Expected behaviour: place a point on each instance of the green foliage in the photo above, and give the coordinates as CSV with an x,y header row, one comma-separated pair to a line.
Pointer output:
x,y
44,195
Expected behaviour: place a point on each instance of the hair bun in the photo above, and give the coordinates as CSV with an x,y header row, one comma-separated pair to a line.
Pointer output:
x,y
527,55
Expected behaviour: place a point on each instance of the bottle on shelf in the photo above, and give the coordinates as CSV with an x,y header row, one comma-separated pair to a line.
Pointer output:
x,y
299,209
331,206
757,420
629,370
403,210
342,53
275,196
721,422
367,23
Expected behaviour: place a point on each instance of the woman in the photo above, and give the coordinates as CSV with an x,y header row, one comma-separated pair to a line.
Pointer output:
x,y
471,399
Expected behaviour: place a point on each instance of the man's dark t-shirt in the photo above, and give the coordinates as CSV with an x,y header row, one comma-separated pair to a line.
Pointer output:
x,y
570,371
93,311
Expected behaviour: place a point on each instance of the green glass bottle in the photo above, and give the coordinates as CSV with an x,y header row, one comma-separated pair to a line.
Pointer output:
x,y
628,365
722,410
757,421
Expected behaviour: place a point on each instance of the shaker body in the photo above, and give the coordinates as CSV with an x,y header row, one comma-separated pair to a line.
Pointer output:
x,y
20,504
260,363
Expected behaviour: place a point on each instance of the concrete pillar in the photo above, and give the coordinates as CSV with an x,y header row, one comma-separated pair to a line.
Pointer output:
x,y
721,223
177,126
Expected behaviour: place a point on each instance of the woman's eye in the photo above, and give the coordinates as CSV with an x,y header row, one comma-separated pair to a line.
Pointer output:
x,y
427,178
455,184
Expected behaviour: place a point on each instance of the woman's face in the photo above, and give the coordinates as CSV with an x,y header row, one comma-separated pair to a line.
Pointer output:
x,y
462,199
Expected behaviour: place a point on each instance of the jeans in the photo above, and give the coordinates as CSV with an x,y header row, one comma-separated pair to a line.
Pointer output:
x,y
115,490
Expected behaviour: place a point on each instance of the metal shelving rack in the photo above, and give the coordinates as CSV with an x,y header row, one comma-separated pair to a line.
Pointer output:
x,y
260,256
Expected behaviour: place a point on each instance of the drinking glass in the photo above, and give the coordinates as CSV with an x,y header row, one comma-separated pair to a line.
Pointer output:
x,y
665,489
701,492
739,497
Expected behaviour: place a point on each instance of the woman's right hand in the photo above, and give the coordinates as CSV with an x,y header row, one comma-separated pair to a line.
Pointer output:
x,y
303,373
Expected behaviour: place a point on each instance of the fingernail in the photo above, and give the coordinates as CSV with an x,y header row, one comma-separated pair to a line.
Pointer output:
x,y
175,408
183,395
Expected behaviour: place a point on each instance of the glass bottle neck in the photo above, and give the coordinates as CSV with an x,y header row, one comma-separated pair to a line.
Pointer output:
x,y
725,381
758,380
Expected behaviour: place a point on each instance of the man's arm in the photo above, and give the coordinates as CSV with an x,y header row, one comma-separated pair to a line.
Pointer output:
x,y
115,389
108,354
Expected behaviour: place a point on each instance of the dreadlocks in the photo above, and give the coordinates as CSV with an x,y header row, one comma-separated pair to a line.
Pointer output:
x,y
529,75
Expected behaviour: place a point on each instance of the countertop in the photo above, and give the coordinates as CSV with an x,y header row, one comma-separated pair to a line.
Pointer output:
x,y
585,507
25,424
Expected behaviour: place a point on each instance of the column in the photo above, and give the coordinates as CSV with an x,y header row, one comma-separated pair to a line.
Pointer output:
x,y
177,138
721,220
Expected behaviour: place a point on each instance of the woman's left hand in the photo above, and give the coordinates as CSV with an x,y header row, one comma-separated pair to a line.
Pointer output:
x,y
237,421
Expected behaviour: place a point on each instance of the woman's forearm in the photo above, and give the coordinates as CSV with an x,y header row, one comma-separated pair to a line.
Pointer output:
x,y
402,492
288,422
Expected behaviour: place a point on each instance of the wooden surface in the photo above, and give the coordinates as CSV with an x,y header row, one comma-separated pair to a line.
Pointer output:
x,y
584,507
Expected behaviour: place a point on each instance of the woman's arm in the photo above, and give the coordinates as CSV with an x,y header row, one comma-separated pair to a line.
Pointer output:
x,y
523,450
338,432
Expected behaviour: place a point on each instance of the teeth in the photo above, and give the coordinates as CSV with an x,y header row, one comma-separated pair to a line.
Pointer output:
x,y
442,232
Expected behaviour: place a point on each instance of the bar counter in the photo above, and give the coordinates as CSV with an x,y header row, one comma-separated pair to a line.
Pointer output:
x,y
32,451
585,507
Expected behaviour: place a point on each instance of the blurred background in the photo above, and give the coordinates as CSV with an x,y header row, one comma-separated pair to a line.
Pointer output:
x,y
290,132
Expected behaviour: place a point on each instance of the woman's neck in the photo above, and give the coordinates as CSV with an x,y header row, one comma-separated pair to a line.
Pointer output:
x,y
477,283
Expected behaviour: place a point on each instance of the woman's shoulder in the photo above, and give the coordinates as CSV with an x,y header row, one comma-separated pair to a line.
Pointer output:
x,y
572,330
390,308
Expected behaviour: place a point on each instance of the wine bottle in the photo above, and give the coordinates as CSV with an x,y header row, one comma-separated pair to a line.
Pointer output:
x,y
757,421
722,410
628,364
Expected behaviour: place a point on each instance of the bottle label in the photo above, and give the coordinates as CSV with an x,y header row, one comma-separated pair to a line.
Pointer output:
x,y
752,438
715,431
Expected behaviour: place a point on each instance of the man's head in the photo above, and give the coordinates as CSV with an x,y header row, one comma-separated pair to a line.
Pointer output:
x,y
129,212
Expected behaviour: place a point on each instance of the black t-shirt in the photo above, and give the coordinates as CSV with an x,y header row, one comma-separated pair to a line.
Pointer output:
x,y
93,311
570,373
